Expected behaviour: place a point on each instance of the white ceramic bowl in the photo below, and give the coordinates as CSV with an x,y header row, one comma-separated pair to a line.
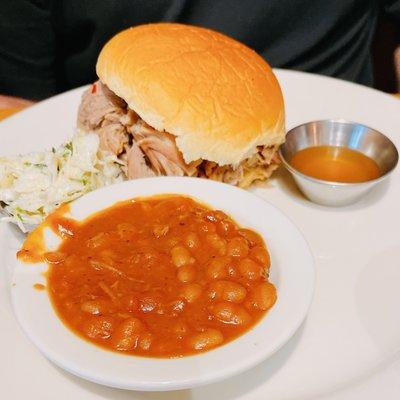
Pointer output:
x,y
292,272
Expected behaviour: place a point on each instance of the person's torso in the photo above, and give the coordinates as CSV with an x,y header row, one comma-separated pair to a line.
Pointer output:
x,y
326,37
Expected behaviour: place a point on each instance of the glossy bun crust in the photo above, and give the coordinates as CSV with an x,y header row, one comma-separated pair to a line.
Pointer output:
x,y
218,97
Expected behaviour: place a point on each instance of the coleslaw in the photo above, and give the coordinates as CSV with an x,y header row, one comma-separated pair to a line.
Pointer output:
x,y
33,185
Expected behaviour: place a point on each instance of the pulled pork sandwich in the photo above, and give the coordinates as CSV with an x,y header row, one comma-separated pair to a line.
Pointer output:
x,y
181,100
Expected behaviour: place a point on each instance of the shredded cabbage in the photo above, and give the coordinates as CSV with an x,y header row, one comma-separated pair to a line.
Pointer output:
x,y
33,185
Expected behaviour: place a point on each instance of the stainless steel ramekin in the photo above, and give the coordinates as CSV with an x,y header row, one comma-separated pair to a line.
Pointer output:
x,y
338,133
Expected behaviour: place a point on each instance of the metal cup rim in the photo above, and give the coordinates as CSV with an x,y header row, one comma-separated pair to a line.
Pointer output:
x,y
333,183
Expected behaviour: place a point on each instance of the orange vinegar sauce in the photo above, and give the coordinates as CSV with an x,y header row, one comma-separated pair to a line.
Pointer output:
x,y
120,280
39,286
335,164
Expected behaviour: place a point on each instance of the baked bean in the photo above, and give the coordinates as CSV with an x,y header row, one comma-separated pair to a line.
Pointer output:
x,y
252,237
125,230
126,335
232,270
107,255
150,254
220,215
229,313
148,304
217,268
207,227
210,216
160,230
227,290
237,247
217,242
130,325
191,292
54,257
180,256
129,302
186,274
250,270
145,341
226,228
192,240
177,307
206,339
173,241
96,241
260,254
96,307
263,296
162,207
100,327
180,328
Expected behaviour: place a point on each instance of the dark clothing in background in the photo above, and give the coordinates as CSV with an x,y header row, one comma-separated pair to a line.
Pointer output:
x,y
47,47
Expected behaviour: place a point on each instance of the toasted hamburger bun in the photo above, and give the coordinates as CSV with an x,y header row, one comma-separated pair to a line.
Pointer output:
x,y
218,97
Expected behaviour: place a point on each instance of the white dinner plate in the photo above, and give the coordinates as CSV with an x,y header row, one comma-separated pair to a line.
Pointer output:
x,y
348,347
291,272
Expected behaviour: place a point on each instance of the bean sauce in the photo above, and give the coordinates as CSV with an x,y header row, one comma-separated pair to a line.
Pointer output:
x,y
162,276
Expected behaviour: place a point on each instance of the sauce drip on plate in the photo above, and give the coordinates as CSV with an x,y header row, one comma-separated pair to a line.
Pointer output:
x,y
39,286
335,164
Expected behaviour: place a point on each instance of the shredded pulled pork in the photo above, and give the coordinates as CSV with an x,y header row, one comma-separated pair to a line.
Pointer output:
x,y
258,167
161,151
148,152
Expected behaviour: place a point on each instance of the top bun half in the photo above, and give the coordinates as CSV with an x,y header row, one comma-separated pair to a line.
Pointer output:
x,y
218,97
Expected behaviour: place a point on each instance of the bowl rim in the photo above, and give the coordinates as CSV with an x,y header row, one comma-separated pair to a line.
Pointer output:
x,y
334,183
